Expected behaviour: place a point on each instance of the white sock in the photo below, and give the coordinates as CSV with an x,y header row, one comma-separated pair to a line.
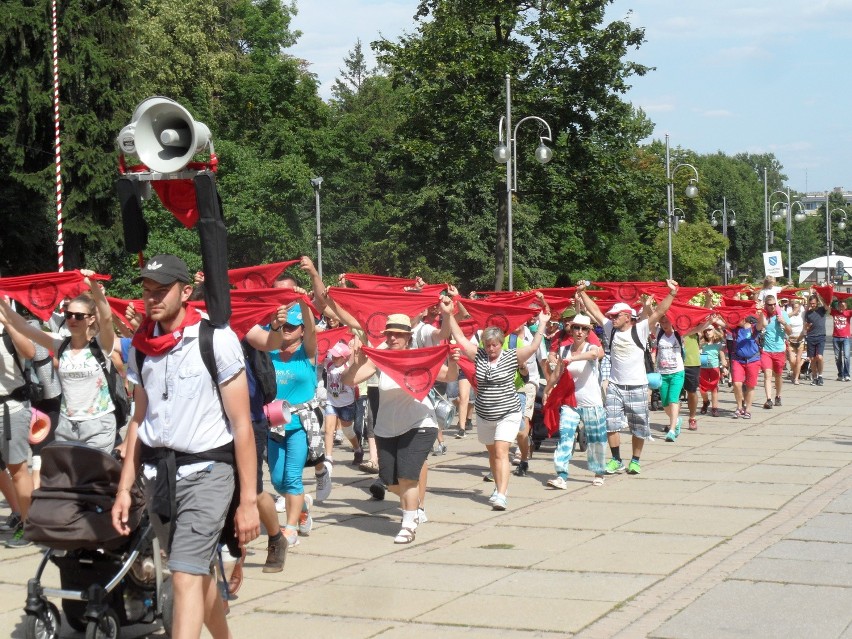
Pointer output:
x,y
409,519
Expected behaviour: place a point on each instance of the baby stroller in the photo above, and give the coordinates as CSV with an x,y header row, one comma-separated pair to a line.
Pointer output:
x,y
106,580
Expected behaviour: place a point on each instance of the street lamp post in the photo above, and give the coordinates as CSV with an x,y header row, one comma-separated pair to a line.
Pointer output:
x,y
714,222
786,211
840,226
316,183
690,192
507,153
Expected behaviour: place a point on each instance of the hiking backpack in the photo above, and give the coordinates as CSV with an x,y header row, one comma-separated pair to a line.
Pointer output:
x,y
263,370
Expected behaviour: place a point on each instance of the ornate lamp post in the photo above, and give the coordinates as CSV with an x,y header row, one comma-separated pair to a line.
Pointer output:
x,y
691,191
714,222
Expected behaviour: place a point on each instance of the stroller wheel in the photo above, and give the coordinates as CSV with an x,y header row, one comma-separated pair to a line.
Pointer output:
x,y
44,626
74,614
106,627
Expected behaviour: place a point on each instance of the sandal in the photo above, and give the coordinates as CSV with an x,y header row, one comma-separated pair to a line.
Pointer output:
x,y
404,536
598,481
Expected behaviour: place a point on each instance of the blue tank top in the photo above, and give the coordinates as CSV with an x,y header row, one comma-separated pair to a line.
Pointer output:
x,y
296,379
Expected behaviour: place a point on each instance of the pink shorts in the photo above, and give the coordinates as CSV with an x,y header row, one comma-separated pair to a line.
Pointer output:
x,y
775,361
745,373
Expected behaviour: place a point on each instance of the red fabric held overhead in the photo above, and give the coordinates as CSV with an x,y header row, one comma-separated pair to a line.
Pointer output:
x,y
507,314
260,276
41,293
328,338
371,308
415,370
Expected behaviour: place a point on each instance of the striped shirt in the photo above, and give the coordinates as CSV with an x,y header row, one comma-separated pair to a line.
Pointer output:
x,y
496,396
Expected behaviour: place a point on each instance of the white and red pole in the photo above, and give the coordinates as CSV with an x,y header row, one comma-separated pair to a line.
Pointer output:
x,y
57,145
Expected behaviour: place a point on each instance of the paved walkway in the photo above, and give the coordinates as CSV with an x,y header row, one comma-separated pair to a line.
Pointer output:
x,y
741,529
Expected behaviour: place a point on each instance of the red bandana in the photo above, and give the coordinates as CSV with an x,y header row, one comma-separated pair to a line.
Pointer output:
x,y
371,308
825,292
561,395
415,370
558,299
144,340
261,276
733,315
328,338
728,290
630,292
42,292
505,313
244,315
730,301
685,317
380,282
119,306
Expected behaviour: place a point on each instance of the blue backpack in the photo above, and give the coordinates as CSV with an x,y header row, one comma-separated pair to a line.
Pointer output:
x,y
746,348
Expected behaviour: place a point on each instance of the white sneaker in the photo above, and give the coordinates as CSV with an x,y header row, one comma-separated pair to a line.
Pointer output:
x,y
280,504
493,497
324,482
559,483
306,522
338,437
421,516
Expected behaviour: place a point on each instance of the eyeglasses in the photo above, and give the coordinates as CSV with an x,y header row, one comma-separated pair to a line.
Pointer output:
x,y
289,327
585,329
77,316
770,304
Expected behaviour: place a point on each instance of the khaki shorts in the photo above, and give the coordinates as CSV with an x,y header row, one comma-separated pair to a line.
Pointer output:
x,y
529,390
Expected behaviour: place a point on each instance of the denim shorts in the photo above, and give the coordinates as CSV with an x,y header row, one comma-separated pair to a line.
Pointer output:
x,y
343,413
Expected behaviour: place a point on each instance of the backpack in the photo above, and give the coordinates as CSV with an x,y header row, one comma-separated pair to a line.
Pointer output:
x,y
746,347
263,370
677,337
32,390
649,361
115,383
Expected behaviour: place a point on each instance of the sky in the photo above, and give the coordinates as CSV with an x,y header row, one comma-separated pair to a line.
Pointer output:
x,y
752,76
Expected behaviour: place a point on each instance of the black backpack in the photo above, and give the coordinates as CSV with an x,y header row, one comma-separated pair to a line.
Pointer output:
x,y
115,383
263,370
32,389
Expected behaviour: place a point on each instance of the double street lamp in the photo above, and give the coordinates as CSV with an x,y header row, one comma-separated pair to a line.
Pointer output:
x,y
725,224
786,212
507,153
316,183
841,225
690,192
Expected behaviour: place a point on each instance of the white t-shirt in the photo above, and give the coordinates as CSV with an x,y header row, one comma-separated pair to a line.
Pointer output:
x,y
772,290
399,412
339,394
797,323
669,356
628,360
85,393
424,335
587,389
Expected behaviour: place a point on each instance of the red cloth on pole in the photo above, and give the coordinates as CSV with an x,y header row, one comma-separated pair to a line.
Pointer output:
x,y
561,395
328,338
371,308
415,370
260,276
178,196
42,292
507,314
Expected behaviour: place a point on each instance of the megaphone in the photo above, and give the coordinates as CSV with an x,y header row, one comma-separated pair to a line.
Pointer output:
x,y
163,135
278,413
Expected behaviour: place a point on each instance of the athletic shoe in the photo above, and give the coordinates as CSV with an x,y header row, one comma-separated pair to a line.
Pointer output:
x,y
820,381
714,412
17,540
461,434
358,457
559,483
614,466
276,555
369,467
846,379
421,516
516,458
338,437
633,468
767,404
377,490
280,504
777,401
704,407
499,502
814,381
439,449
693,424
12,522
291,540
521,470
488,477
493,496
324,482
306,522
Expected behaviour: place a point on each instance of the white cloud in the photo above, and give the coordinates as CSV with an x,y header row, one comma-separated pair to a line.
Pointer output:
x,y
717,113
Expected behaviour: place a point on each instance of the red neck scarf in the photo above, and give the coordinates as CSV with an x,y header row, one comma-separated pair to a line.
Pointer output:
x,y
145,340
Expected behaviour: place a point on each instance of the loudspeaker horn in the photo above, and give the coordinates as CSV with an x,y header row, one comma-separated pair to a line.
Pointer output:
x,y
163,134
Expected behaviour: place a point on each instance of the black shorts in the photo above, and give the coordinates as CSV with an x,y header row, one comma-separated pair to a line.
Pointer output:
x,y
261,432
690,378
816,345
403,456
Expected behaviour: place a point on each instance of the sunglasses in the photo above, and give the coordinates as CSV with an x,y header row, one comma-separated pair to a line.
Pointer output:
x,y
769,304
289,327
585,329
77,316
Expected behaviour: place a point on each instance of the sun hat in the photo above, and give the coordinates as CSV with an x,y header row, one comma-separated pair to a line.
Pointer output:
x,y
398,323
621,307
581,320
341,349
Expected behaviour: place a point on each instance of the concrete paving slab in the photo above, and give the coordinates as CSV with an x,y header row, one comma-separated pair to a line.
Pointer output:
x,y
842,504
735,495
263,624
426,576
698,520
737,609
797,571
649,491
749,441
562,615
399,603
586,515
806,475
826,527
551,583
404,631
707,471
810,551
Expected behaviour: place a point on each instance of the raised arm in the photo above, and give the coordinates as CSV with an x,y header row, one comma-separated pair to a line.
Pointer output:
x,y
23,333
467,347
361,368
591,306
106,333
528,350
664,305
